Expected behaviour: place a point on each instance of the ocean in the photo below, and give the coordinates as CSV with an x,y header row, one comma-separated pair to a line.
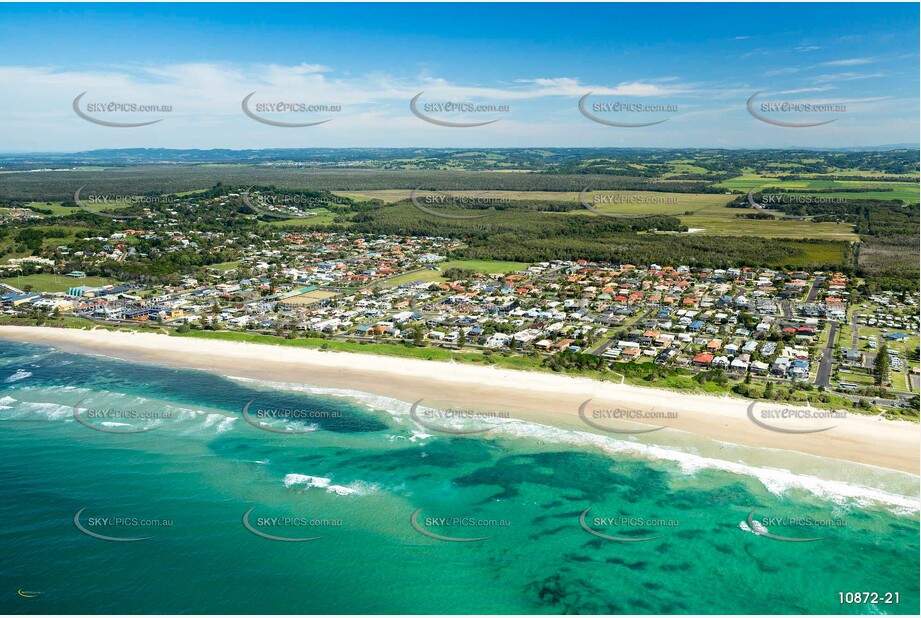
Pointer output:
x,y
134,488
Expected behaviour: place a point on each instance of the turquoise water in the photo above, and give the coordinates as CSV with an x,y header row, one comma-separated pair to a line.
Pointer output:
x,y
359,474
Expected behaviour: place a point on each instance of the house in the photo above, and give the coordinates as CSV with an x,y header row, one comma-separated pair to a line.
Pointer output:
x,y
702,360
739,365
497,340
780,366
851,355
800,369
559,346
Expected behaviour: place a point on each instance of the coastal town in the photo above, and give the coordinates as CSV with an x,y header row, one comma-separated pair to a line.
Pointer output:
x,y
804,329
323,309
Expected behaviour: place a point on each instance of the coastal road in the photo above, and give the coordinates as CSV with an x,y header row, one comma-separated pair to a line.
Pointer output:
x,y
823,377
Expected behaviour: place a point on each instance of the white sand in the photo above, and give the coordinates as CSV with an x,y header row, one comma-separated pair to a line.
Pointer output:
x,y
526,395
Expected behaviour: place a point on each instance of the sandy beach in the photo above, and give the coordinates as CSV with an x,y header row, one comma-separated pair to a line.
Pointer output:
x,y
534,396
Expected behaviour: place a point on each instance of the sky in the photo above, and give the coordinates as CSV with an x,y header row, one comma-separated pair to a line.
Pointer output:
x,y
693,67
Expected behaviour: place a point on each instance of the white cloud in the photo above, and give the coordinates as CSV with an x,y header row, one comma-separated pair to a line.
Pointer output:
x,y
849,62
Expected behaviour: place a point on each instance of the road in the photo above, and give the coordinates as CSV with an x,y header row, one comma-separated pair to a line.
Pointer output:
x,y
855,335
823,377
786,310
752,203
814,290
607,344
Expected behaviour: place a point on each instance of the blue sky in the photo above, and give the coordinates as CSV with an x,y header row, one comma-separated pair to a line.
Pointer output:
x,y
700,61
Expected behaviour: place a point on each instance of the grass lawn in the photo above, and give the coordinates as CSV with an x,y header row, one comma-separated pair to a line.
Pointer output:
x,y
324,217
225,266
54,283
55,207
489,267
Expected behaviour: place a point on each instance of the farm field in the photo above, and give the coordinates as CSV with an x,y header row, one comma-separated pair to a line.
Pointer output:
x,y
709,214
722,221
622,202
905,191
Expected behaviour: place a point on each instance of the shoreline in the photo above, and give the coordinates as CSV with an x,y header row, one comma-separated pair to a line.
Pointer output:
x,y
530,396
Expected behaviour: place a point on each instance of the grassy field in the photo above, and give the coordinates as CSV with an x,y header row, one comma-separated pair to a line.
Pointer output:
x,y
56,208
482,266
54,283
722,221
324,217
621,202
905,191
708,212
225,266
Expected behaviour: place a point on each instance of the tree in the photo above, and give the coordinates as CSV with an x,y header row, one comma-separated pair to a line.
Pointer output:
x,y
881,366
462,339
